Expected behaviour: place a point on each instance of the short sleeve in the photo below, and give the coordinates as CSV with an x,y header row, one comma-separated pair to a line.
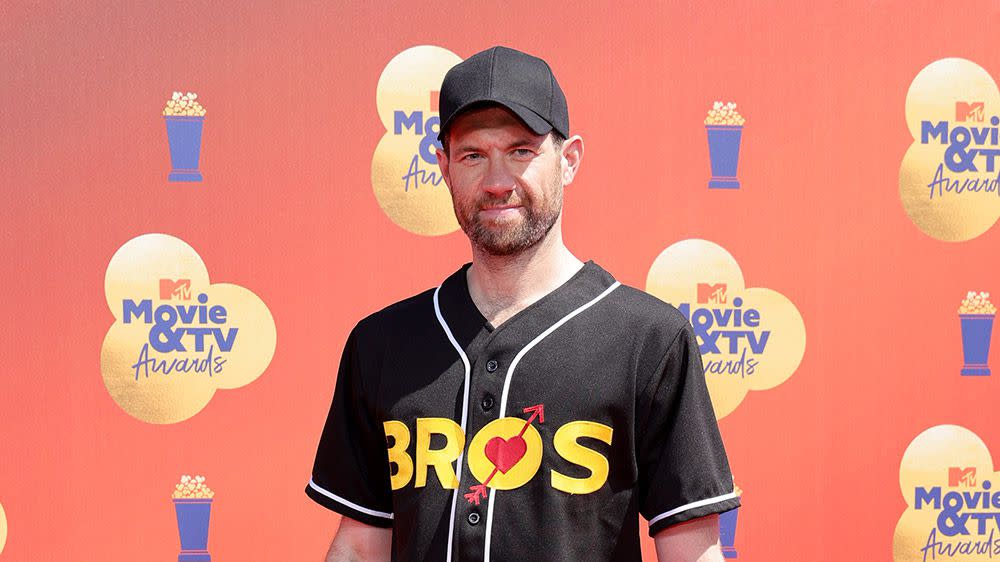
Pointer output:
x,y
683,469
351,472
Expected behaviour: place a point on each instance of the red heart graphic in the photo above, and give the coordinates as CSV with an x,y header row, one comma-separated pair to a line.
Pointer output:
x,y
504,453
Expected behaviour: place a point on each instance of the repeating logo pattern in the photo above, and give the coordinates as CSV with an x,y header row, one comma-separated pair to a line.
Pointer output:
x,y
405,175
953,504
949,178
750,338
177,338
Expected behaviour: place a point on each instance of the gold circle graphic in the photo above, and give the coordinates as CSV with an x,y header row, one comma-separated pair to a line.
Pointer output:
x,y
408,187
135,374
928,189
3,528
675,277
928,463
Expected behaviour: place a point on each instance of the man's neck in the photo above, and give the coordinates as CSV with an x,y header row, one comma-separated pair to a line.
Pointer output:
x,y
502,286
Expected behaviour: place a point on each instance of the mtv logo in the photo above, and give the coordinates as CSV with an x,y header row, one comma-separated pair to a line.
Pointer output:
x,y
711,294
971,111
959,476
180,289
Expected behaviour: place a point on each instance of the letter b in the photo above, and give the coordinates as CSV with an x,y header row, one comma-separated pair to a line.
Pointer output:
x,y
397,453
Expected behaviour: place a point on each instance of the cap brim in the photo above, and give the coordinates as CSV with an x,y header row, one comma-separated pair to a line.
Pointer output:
x,y
534,121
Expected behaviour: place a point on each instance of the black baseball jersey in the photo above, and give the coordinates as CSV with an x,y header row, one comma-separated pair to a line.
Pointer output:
x,y
543,438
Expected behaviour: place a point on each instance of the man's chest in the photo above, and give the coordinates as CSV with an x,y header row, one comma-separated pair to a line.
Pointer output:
x,y
563,407
574,374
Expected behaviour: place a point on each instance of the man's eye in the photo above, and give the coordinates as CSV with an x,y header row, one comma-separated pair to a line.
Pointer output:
x,y
472,156
524,152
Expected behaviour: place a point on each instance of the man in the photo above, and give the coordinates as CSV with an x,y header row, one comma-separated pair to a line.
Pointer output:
x,y
530,407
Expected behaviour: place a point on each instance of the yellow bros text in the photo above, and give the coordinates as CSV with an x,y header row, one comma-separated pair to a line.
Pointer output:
x,y
505,454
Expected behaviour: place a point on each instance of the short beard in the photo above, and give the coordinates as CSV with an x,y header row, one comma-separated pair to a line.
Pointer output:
x,y
533,228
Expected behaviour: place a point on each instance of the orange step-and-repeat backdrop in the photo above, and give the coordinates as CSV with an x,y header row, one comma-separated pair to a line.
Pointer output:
x,y
200,201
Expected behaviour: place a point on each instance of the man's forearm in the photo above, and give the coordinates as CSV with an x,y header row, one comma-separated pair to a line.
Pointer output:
x,y
693,541
357,542
341,553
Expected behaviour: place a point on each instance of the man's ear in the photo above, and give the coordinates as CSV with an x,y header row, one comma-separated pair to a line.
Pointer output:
x,y
443,163
572,155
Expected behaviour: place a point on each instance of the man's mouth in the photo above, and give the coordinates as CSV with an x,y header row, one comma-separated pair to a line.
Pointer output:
x,y
499,211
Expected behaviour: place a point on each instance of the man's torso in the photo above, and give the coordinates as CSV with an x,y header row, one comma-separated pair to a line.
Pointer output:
x,y
544,409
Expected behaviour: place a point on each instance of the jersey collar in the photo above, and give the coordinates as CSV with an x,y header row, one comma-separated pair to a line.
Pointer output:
x,y
466,320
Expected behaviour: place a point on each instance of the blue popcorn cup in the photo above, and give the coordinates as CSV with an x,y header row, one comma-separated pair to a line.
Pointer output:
x,y
977,329
727,532
192,524
184,136
724,152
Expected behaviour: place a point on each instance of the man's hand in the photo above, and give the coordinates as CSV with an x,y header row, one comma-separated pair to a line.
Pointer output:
x,y
357,542
692,541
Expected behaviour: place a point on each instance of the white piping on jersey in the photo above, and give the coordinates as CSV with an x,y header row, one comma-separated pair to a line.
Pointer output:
x,y
693,505
465,412
506,387
540,337
349,504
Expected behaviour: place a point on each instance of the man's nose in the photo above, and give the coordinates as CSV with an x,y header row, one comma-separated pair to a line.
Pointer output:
x,y
499,178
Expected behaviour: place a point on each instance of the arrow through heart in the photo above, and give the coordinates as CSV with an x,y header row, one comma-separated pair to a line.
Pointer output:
x,y
505,453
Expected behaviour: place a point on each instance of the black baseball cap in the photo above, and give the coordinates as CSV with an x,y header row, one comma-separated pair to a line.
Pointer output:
x,y
518,81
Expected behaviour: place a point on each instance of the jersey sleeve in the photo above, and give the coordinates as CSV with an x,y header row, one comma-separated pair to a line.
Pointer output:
x,y
683,469
351,472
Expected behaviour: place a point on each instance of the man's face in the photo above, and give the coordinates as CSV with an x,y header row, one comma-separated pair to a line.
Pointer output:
x,y
505,180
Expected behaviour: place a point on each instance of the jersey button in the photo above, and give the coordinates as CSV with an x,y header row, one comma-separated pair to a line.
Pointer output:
x,y
488,402
492,365
473,518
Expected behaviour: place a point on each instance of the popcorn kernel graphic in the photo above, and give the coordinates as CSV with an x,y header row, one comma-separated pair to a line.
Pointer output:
x,y
192,487
977,303
184,104
724,114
